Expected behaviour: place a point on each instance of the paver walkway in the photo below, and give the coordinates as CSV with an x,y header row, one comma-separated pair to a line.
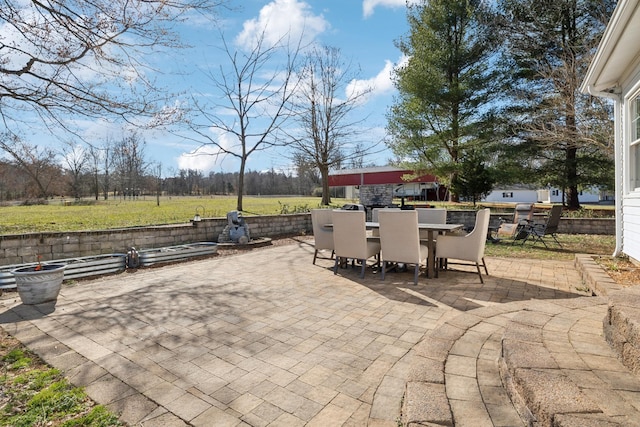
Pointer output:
x,y
260,338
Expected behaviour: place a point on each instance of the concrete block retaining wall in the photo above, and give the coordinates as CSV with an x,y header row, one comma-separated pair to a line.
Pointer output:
x,y
19,249
606,226
25,248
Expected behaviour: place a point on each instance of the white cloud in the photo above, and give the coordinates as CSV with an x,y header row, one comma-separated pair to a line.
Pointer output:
x,y
202,161
380,84
73,155
368,6
281,20
208,158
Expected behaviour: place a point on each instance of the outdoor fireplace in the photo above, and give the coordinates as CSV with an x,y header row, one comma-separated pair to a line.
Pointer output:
x,y
376,196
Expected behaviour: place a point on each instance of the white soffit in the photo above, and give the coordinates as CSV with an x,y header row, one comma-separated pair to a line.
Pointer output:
x,y
618,52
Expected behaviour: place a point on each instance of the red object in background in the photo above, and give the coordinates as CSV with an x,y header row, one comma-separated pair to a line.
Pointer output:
x,y
375,177
387,175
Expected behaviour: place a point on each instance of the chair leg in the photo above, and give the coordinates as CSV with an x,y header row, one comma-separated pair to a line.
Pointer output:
x,y
384,269
543,242
364,266
315,255
539,237
335,266
479,273
484,264
416,274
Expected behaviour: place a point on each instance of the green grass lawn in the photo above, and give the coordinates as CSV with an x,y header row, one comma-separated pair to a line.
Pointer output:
x,y
572,244
91,215
117,213
34,394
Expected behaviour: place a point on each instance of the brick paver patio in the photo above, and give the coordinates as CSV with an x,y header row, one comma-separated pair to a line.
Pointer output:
x,y
261,338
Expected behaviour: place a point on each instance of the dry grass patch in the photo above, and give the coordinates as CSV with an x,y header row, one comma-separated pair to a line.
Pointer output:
x,y
620,269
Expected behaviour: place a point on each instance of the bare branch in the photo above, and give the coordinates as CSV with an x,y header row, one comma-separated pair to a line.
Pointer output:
x,y
328,126
253,107
61,57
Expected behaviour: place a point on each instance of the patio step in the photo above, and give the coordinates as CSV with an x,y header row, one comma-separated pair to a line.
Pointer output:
x,y
455,377
534,363
560,370
622,327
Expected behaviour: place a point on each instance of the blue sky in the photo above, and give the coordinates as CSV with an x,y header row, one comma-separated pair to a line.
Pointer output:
x,y
364,30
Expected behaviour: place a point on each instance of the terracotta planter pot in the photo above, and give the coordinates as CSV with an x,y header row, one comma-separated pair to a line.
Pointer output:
x,y
39,286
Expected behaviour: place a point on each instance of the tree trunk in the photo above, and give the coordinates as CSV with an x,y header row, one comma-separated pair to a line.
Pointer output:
x,y
571,160
326,196
240,189
573,202
96,183
453,197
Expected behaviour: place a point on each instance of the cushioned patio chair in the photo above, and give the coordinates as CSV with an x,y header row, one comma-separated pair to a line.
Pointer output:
x,y
322,235
400,240
537,232
350,239
431,216
516,230
374,217
468,248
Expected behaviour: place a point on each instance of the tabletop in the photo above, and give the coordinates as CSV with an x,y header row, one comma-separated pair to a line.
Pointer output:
x,y
425,226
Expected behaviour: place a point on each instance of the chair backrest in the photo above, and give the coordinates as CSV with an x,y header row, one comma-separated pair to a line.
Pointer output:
x,y
322,235
554,219
432,215
375,212
523,212
399,237
349,234
469,247
476,240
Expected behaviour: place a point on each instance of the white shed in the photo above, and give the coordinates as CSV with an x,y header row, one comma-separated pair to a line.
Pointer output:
x,y
615,73
530,194
513,194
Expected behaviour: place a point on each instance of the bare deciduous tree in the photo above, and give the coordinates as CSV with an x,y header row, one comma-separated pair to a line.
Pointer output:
x,y
325,110
130,164
100,160
64,59
38,163
250,115
76,57
75,158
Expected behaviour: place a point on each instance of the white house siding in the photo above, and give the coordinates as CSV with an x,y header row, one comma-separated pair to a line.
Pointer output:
x,y
630,244
614,74
631,230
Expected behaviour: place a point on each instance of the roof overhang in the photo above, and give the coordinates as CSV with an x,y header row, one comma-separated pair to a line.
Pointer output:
x,y
618,52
